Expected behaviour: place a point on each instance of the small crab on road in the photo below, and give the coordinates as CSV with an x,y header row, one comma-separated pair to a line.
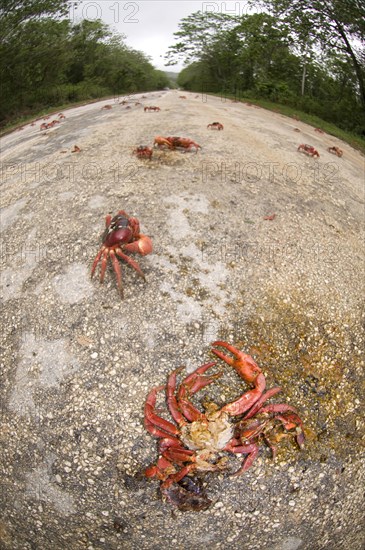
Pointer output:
x,y
121,235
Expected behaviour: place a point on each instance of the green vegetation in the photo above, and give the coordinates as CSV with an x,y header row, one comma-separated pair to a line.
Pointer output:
x,y
45,61
355,140
303,55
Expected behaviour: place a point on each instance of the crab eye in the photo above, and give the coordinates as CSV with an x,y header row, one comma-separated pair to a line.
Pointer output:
x,y
122,221
119,222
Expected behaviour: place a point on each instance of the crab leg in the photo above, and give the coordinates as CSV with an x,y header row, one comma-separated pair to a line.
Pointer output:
x,y
289,421
190,412
190,385
252,429
130,261
279,408
195,381
103,252
152,420
161,469
250,449
96,261
249,371
167,442
154,430
175,478
118,271
172,450
104,263
179,455
256,407
171,398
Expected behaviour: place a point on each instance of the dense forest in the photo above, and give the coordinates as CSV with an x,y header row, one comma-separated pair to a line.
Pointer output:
x,y
45,60
308,54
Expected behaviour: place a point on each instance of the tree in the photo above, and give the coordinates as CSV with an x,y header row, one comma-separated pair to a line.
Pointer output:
x,y
197,33
86,39
332,25
239,54
15,12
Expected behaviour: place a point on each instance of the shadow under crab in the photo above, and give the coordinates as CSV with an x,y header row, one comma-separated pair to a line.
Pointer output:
x,y
199,442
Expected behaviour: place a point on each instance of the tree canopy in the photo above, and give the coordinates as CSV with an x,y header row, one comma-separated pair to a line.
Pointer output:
x,y
333,26
293,52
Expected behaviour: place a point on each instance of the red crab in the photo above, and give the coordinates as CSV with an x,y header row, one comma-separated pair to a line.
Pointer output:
x,y
160,141
121,235
46,126
197,440
174,141
143,151
335,150
216,125
308,149
185,143
152,109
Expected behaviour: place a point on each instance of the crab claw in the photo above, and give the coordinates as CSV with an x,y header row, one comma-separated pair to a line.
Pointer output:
x,y
242,362
143,245
160,140
249,371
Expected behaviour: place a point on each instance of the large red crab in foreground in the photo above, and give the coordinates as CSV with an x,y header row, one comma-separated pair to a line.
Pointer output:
x,y
121,235
197,441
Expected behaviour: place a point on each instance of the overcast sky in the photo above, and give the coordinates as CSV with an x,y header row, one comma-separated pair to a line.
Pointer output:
x,y
149,24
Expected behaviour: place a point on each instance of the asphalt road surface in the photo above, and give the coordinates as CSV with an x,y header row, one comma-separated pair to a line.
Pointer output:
x,y
254,243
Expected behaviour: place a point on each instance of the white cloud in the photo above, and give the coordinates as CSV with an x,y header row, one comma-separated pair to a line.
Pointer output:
x,y
149,25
